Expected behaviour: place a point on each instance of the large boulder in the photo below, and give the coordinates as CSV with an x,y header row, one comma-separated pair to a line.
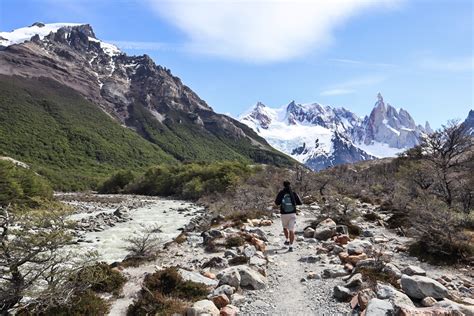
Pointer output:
x,y
243,276
251,278
378,307
229,276
325,229
397,298
419,287
201,307
259,232
467,310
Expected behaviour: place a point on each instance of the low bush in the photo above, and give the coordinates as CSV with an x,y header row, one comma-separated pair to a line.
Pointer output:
x,y
86,303
165,293
102,278
116,183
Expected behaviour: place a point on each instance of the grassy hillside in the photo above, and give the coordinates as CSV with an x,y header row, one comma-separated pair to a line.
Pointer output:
x,y
65,137
188,142
76,145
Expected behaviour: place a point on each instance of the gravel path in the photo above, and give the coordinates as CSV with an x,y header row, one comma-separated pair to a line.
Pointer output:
x,y
289,290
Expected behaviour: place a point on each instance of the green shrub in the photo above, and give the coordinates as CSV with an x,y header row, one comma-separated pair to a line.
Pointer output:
x,y
19,185
117,182
169,282
166,293
87,303
102,278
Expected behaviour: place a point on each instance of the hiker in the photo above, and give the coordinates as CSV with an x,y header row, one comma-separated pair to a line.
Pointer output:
x,y
287,200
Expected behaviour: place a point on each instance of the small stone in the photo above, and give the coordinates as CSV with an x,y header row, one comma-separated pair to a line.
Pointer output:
x,y
428,301
220,300
342,293
414,270
229,310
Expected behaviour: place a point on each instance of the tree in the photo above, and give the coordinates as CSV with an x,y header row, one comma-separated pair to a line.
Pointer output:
x,y
144,242
448,152
32,256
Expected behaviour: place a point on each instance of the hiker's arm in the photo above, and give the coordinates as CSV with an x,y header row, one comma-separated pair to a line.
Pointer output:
x,y
297,199
278,198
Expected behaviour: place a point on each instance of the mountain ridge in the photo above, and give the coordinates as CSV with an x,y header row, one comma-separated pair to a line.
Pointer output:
x,y
322,136
134,91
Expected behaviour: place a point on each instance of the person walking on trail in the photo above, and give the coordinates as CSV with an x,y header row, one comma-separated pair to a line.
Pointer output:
x,y
287,199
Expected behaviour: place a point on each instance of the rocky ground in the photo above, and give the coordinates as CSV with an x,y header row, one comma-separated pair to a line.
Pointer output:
x,y
250,271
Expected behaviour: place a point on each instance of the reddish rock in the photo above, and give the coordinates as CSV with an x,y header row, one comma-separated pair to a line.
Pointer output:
x,y
342,239
209,275
356,258
220,300
364,297
343,256
229,310
349,267
260,245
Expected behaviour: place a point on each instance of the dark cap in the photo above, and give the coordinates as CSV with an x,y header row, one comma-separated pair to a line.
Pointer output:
x,y
286,184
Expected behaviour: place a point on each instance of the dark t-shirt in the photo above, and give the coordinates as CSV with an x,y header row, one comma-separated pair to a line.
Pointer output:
x,y
295,199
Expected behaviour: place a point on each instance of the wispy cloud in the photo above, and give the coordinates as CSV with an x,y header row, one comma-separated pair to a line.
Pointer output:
x,y
451,65
261,30
361,63
351,86
132,45
330,92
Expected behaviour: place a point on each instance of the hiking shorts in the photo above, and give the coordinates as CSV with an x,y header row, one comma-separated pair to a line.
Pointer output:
x,y
289,221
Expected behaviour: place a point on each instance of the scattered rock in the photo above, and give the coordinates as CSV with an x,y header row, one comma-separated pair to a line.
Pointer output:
x,y
334,272
203,307
325,229
378,307
342,293
414,270
364,296
308,232
313,276
392,270
397,298
229,310
419,287
196,277
428,301
229,276
249,251
358,246
251,278
223,289
220,300
355,281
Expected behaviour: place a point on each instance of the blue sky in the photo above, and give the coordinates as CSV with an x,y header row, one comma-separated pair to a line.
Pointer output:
x,y
233,53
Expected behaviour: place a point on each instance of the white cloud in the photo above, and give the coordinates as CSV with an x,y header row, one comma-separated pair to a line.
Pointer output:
x,y
350,86
361,63
261,30
337,91
454,64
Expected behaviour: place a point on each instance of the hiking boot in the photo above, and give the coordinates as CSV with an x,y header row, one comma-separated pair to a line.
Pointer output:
x,y
290,249
287,243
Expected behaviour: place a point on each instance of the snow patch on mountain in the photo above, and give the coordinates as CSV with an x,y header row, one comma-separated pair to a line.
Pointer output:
x,y
24,34
321,136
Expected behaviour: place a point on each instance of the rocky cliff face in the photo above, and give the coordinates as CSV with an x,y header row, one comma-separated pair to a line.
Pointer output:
x,y
132,89
322,136
469,123
390,126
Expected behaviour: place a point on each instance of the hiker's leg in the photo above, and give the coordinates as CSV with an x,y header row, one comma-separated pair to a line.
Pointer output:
x,y
292,237
285,231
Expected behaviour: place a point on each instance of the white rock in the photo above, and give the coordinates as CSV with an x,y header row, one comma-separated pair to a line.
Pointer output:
x,y
419,287
203,307
378,307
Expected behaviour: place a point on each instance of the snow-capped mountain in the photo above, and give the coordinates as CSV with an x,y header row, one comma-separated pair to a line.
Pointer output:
x,y
321,136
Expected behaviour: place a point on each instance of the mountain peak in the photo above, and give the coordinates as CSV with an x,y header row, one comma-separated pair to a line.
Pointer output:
x,y
39,29
379,97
